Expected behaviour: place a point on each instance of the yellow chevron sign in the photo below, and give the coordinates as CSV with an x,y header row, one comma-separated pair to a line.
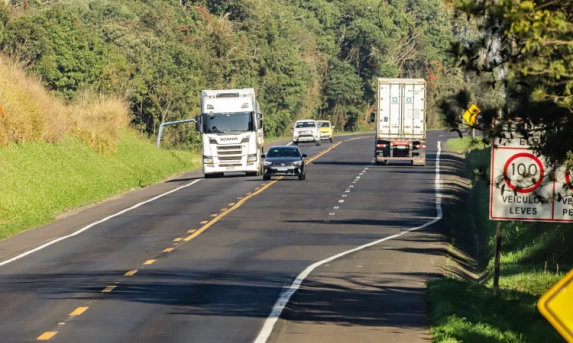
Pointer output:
x,y
557,306
470,116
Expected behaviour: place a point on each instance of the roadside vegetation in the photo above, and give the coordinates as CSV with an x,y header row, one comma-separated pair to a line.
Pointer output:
x,y
56,156
534,257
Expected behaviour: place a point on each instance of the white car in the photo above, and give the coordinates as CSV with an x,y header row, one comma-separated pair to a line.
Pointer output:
x,y
305,131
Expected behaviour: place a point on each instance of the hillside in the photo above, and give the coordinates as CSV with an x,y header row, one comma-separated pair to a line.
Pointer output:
x,y
56,156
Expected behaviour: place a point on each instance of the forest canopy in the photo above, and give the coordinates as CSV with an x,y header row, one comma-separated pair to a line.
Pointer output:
x,y
306,58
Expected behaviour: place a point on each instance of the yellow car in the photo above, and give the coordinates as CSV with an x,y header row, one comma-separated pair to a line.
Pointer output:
x,y
326,130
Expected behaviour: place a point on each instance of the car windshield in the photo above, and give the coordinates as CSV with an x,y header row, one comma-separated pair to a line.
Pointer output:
x,y
305,124
283,152
228,122
324,124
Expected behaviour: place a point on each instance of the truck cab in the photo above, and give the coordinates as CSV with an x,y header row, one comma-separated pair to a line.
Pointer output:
x,y
232,137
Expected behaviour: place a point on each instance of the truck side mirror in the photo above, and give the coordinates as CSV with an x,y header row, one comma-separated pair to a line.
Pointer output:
x,y
260,123
304,156
198,126
372,117
263,156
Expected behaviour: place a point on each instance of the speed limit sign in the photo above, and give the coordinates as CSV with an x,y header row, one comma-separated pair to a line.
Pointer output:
x,y
524,187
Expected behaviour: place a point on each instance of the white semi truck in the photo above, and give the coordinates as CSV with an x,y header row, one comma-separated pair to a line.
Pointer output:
x,y
400,119
231,127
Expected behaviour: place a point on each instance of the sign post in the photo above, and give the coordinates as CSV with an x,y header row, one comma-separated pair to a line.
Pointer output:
x,y
497,263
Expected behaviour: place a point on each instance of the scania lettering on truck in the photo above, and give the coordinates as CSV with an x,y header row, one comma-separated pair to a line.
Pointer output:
x,y
231,126
400,119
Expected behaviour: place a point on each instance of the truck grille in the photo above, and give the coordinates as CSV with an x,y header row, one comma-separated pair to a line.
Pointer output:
x,y
230,158
230,147
224,153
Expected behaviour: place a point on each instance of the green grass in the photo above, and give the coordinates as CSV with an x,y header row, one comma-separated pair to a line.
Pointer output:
x,y
464,144
463,311
41,180
467,312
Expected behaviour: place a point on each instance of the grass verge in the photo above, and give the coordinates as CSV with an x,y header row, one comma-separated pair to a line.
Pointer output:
x,y
534,257
41,180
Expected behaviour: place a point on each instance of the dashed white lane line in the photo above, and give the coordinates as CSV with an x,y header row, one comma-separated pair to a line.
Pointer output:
x,y
85,228
331,213
340,201
347,191
344,195
287,293
336,207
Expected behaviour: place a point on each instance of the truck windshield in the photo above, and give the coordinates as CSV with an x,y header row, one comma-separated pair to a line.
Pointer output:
x,y
228,122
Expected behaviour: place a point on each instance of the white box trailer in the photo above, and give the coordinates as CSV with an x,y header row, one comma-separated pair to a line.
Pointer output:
x,y
400,119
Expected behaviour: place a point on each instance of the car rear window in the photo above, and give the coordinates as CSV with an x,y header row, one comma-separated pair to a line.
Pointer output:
x,y
324,124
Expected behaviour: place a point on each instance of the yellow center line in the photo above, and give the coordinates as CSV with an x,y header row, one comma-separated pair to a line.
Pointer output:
x,y
108,289
206,225
47,336
79,311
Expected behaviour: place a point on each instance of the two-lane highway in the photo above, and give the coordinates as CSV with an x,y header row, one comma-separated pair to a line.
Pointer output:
x,y
207,262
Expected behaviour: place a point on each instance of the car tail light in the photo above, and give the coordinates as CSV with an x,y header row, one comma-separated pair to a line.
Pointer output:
x,y
420,146
381,145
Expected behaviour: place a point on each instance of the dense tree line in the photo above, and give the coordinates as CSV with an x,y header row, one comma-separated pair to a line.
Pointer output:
x,y
312,58
523,55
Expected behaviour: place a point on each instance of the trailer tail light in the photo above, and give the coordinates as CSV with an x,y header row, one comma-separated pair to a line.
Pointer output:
x,y
420,146
381,145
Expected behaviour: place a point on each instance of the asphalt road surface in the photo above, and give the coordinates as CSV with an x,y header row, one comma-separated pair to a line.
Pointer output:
x,y
207,262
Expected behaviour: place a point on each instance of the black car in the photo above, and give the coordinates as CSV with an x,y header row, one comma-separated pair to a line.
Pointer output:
x,y
284,161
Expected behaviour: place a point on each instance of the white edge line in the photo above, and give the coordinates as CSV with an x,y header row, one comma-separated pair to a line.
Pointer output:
x,y
85,228
285,296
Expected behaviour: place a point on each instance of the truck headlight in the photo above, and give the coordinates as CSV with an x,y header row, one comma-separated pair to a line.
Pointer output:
x,y
252,158
267,163
297,163
207,159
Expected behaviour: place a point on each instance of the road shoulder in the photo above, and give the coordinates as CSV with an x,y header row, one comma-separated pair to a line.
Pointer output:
x,y
377,294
